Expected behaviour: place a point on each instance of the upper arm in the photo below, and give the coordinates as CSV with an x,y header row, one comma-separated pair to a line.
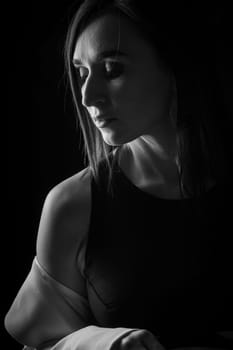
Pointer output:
x,y
63,225
44,310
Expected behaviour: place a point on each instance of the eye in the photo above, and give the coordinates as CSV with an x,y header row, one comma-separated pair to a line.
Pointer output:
x,y
82,74
113,69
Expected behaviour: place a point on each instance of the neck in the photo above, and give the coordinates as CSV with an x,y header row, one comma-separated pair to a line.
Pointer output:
x,y
151,163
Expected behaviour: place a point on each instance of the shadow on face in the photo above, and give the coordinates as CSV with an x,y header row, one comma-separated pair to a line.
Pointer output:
x,y
122,78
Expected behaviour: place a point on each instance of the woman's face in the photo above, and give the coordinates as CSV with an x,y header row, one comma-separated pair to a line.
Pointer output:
x,y
124,86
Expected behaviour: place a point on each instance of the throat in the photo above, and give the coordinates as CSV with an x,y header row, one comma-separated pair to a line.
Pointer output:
x,y
159,178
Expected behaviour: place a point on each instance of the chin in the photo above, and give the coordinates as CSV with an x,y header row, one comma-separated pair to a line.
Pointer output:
x,y
117,140
112,142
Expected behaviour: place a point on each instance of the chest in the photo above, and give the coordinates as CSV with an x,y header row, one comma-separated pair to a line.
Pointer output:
x,y
146,262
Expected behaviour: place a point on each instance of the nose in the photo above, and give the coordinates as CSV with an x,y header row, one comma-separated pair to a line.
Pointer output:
x,y
93,93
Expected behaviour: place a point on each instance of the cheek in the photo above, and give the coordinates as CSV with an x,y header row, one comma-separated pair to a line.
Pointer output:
x,y
135,97
123,95
140,94
126,92
154,95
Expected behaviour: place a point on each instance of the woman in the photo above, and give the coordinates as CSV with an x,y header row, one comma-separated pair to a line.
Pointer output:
x,y
133,252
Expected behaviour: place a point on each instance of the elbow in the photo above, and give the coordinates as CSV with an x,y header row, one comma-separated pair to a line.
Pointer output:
x,y
9,325
14,325
8,322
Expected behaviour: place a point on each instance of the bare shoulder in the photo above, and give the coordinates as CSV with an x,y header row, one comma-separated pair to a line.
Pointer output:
x,y
63,225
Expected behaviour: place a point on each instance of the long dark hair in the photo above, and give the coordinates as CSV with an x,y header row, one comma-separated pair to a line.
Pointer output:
x,y
184,38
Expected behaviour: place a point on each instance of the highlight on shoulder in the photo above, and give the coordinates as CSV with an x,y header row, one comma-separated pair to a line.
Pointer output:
x,y
64,224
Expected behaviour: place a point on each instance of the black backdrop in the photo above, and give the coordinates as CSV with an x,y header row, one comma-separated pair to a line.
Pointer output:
x,y
43,144
42,141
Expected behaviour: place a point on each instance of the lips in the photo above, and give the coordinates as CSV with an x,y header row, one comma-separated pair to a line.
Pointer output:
x,y
103,120
101,117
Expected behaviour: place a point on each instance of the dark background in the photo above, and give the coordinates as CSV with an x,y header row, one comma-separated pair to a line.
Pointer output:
x,y
42,140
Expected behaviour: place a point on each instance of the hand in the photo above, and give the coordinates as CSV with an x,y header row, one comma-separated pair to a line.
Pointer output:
x,y
138,340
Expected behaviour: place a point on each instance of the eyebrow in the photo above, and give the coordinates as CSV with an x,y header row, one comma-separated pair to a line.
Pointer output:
x,y
102,55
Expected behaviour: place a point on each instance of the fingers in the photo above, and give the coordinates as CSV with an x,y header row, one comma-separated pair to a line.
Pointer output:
x,y
131,343
140,340
149,340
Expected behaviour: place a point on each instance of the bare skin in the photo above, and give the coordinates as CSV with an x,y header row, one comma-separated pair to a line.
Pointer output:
x,y
139,94
138,340
135,89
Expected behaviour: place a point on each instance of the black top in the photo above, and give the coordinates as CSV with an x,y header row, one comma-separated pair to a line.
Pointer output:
x,y
159,264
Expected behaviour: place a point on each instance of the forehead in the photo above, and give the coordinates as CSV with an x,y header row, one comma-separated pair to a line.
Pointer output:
x,y
110,32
